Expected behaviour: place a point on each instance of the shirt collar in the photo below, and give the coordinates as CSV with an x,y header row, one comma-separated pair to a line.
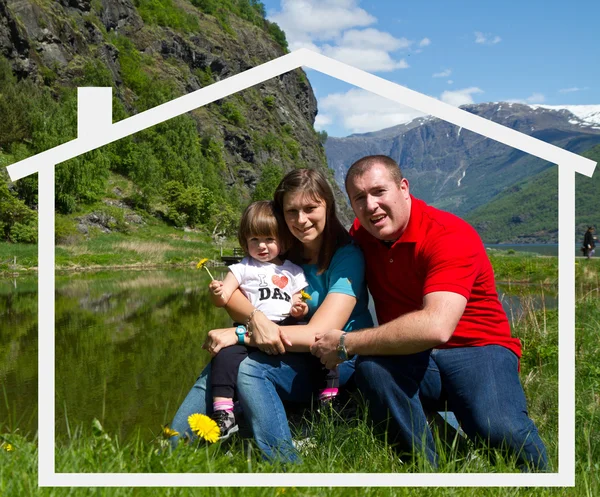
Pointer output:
x,y
411,233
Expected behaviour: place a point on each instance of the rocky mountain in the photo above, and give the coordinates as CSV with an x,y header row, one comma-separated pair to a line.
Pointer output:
x,y
459,170
199,169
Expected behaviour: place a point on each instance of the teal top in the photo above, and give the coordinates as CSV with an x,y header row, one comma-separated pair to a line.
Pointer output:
x,y
346,274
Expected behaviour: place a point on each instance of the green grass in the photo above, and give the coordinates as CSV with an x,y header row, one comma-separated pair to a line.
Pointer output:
x,y
349,447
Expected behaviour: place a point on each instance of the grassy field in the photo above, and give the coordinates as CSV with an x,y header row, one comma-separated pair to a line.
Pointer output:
x,y
157,245
351,446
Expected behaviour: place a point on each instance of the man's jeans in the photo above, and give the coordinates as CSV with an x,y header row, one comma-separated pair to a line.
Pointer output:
x,y
480,385
263,383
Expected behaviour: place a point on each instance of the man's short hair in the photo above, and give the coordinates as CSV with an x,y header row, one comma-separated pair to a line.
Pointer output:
x,y
361,166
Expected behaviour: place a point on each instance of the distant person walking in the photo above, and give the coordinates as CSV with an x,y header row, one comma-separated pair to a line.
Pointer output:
x,y
589,243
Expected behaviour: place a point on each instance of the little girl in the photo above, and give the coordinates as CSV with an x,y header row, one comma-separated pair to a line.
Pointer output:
x,y
271,285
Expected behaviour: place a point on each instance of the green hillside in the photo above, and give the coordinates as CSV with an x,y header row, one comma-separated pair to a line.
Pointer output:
x,y
198,170
528,211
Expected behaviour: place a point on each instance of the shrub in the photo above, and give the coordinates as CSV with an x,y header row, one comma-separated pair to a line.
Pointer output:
x,y
65,231
278,35
23,233
191,206
16,219
165,13
232,113
270,176
269,102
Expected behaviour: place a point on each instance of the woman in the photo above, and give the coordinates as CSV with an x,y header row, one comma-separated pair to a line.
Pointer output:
x,y
334,269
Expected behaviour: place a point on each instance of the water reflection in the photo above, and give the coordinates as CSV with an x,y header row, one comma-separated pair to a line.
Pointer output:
x,y
128,346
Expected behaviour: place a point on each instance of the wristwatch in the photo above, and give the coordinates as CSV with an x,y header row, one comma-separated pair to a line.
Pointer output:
x,y
240,331
342,353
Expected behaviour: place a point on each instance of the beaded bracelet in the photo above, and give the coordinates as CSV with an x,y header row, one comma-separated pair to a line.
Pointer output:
x,y
249,324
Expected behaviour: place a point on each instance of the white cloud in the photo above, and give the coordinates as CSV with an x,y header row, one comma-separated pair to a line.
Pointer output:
x,y
373,38
360,111
322,120
460,97
486,38
339,29
425,42
450,82
534,98
320,19
372,60
572,89
444,74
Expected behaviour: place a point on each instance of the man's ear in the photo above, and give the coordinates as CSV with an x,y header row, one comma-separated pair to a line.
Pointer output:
x,y
405,187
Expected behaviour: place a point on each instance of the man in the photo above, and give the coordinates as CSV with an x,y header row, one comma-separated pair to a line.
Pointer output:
x,y
589,243
442,334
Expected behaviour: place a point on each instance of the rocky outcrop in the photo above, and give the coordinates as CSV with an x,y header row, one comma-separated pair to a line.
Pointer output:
x,y
272,123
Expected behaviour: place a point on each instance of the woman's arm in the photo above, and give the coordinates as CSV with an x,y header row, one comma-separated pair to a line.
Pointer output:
x,y
266,335
333,312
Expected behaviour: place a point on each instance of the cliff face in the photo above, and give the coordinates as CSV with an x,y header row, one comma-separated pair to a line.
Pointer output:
x,y
151,56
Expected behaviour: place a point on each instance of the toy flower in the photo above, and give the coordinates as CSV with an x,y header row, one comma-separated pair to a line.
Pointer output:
x,y
204,427
202,265
168,432
305,296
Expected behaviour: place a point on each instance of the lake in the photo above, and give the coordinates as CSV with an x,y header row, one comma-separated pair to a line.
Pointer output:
x,y
128,346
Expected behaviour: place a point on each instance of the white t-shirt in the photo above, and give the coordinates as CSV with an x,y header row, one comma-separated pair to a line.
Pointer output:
x,y
269,287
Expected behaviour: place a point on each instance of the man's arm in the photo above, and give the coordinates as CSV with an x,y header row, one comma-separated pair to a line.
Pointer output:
x,y
414,332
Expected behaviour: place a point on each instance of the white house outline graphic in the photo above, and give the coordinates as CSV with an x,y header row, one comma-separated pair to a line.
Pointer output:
x,y
95,129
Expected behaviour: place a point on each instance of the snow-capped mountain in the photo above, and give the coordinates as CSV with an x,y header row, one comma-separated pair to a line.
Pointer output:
x,y
459,170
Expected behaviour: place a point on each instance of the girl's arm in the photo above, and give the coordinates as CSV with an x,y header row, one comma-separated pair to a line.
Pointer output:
x,y
221,291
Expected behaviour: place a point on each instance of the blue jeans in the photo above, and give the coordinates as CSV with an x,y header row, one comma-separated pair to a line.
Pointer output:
x,y
480,385
264,381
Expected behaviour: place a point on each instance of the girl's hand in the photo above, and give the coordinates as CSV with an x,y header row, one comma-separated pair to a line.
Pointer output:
x,y
217,288
299,310
219,339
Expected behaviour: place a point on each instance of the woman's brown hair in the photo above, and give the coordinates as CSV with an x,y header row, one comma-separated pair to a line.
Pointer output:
x,y
313,185
262,219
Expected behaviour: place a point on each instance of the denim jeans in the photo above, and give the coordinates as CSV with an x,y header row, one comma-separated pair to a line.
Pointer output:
x,y
264,381
480,385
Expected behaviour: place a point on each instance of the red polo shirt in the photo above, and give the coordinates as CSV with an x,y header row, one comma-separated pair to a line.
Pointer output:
x,y
437,252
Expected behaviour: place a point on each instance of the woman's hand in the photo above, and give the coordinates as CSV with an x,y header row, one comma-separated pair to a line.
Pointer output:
x,y
219,339
268,336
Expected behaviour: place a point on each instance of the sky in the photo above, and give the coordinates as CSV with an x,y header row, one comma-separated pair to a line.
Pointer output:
x,y
528,51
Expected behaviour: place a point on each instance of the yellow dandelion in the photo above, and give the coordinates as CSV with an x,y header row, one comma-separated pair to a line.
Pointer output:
x,y
169,432
202,265
305,296
204,427
8,447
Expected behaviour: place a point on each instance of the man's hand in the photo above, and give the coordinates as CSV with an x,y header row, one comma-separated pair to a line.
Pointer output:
x,y
325,347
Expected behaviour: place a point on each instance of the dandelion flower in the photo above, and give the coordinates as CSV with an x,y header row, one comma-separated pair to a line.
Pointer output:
x,y
305,296
8,447
169,432
204,427
202,265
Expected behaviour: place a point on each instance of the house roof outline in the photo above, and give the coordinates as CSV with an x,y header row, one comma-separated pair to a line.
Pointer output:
x,y
97,134
95,129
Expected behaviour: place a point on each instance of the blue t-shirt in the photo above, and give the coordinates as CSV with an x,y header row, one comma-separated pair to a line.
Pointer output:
x,y
346,274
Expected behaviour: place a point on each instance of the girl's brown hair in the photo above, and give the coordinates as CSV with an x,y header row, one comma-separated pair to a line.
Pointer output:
x,y
261,219
313,185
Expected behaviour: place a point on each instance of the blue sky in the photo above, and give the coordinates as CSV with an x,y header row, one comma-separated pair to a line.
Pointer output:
x,y
461,52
